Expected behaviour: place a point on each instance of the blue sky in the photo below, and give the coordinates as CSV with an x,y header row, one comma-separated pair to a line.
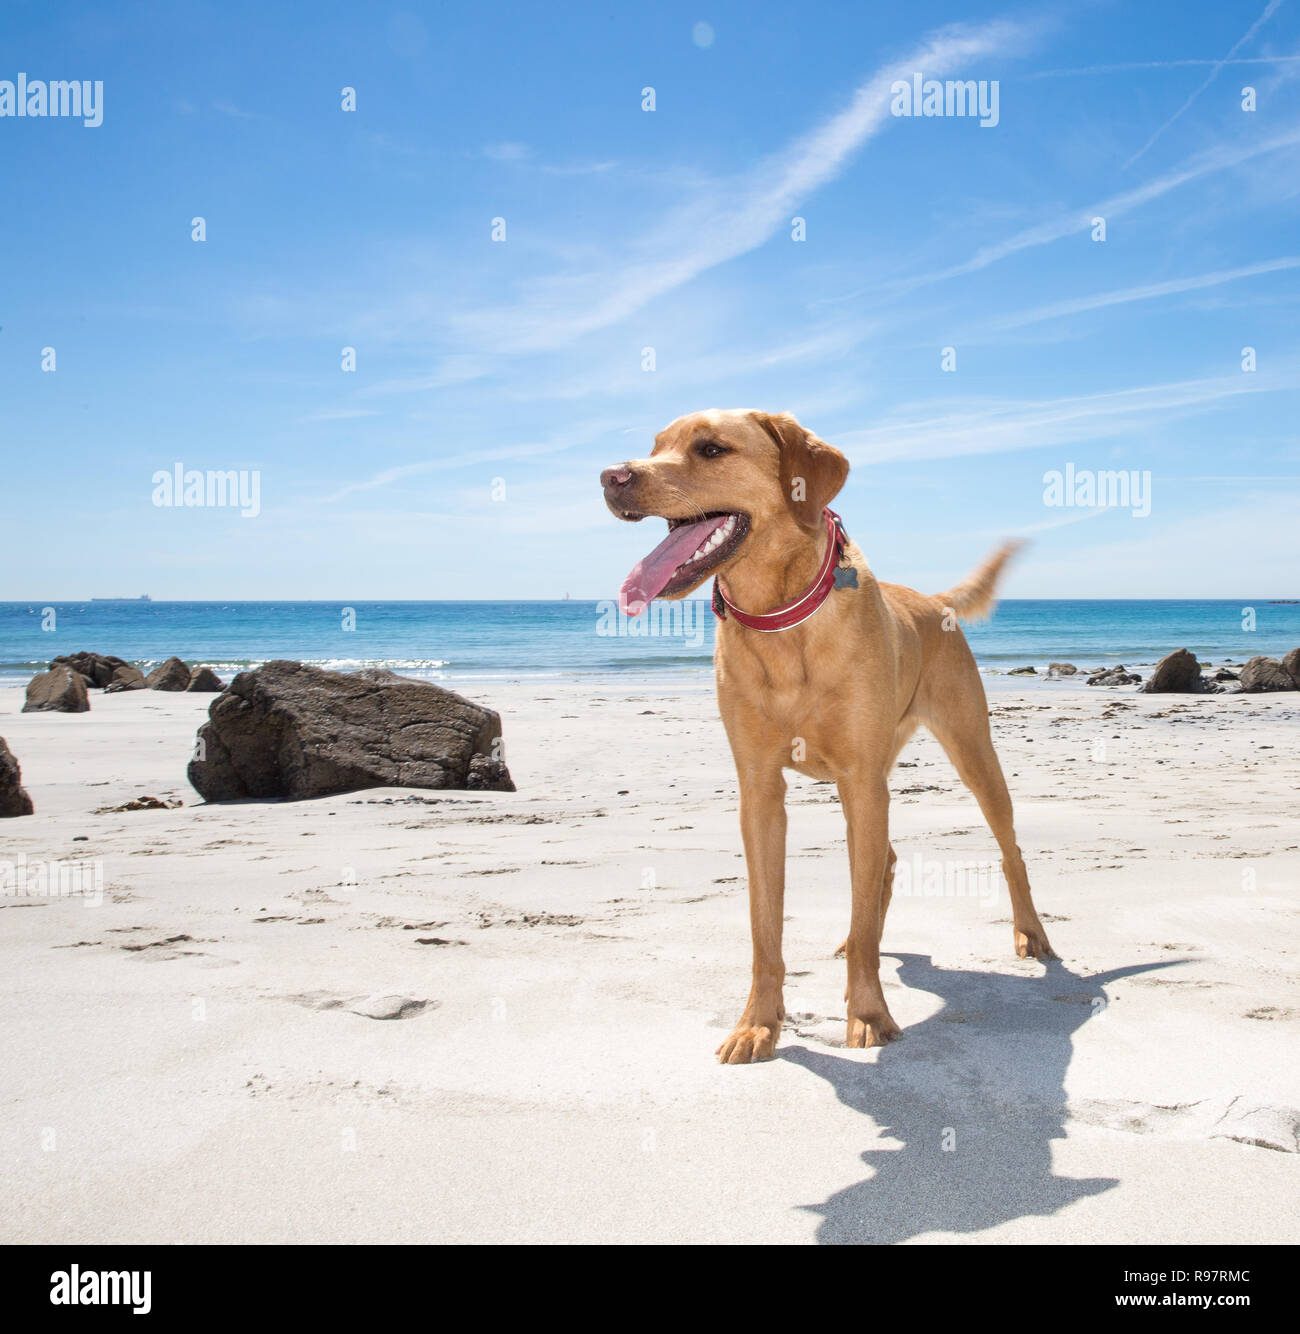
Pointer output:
x,y
494,379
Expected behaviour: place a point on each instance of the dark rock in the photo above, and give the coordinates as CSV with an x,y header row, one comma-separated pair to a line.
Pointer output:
x,y
97,668
1176,673
1265,674
1223,674
13,797
60,690
488,775
205,680
170,675
292,731
1291,666
125,677
1023,671
1114,676
1061,669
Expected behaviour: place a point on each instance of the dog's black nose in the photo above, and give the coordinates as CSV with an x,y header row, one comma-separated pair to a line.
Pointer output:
x,y
614,478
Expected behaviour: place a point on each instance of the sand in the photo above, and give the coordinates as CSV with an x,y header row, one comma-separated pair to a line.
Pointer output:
x,y
423,1017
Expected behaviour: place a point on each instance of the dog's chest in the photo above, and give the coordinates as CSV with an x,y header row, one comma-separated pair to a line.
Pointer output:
x,y
780,684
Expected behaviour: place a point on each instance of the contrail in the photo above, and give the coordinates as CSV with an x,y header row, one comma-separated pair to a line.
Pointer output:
x,y
1269,10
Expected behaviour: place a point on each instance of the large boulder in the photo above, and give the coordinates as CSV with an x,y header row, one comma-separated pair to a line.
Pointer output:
x,y
60,690
1265,674
1176,673
1291,666
170,675
125,677
204,680
291,731
97,668
13,798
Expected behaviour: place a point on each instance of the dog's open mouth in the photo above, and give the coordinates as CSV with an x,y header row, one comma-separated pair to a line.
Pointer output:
x,y
693,549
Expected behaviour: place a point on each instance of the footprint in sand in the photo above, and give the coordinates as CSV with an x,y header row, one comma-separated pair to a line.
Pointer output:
x,y
369,1007
1261,1125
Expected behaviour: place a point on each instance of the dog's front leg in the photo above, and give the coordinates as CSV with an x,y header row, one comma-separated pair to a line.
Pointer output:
x,y
866,813
762,827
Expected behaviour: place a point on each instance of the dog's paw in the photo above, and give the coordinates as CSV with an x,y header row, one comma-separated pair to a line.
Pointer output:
x,y
873,1031
749,1042
1031,942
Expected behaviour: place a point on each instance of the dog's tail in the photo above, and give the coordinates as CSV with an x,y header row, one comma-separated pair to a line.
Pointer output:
x,y
974,597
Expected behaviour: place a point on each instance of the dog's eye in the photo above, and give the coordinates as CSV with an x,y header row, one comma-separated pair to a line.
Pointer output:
x,y
708,449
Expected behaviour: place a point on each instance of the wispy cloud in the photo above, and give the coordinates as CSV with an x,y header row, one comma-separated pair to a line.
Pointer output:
x,y
1170,553
580,169
1047,525
1269,10
1128,66
506,152
1145,292
570,438
727,219
1077,221
338,415
738,366
984,428
236,113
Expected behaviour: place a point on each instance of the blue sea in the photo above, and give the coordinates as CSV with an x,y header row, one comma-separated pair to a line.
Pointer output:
x,y
450,641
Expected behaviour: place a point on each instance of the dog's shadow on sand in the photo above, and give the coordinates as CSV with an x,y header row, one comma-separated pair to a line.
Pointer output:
x,y
975,1093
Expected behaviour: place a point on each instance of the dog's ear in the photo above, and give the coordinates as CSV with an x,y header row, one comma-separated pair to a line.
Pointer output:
x,y
812,471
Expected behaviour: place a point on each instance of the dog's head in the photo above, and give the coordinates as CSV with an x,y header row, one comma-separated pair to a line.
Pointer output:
x,y
728,483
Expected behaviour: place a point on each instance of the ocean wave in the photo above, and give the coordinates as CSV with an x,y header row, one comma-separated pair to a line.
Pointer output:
x,y
244,664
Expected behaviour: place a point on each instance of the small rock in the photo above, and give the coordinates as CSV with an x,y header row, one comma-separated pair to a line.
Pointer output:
x,y
1262,675
1061,669
13,796
1114,676
204,680
60,690
170,675
97,668
1023,671
1176,673
125,677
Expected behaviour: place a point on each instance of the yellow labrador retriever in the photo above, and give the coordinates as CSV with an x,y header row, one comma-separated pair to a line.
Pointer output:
x,y
819,669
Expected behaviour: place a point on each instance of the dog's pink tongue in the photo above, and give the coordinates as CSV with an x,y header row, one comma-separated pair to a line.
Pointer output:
x,y
652,572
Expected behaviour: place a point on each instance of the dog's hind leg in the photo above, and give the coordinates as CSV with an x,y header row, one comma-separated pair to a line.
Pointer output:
x,y
886,893
961,726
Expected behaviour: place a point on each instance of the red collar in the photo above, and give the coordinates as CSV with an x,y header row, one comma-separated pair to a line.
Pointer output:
x,y
796,612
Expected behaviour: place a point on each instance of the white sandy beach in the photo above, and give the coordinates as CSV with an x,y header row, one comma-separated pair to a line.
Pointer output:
x,y
185,1061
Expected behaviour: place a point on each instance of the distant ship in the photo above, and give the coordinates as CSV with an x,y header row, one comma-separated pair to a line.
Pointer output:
x,y
144,597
